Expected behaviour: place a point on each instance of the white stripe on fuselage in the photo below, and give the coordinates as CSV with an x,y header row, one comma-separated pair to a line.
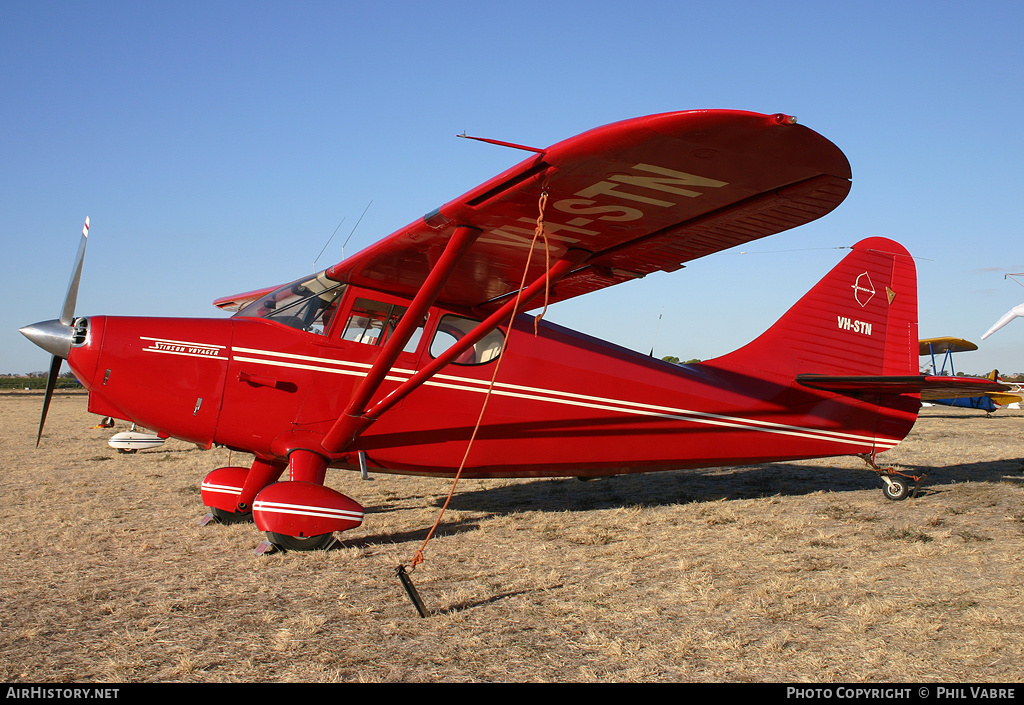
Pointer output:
x,y
468,384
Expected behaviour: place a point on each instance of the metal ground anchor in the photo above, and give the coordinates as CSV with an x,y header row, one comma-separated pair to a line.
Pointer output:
x,y
410,589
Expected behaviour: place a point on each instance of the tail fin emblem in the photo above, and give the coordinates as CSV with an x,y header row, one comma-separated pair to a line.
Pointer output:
x,y
863,289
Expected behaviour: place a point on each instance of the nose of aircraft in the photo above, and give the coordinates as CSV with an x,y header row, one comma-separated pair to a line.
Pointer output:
x,y
52,336
56,337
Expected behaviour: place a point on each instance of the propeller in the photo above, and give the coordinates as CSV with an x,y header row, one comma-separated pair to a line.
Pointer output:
x,y
56,336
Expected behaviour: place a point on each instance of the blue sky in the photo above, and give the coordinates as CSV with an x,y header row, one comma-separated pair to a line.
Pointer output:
x,y
217,146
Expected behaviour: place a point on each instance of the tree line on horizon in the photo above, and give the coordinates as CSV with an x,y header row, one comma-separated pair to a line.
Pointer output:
x,y
37,380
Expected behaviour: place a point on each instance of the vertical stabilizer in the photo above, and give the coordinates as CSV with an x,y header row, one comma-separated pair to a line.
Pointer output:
x,y
860,319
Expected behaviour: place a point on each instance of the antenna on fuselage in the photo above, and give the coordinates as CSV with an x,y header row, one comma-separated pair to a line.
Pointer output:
x,y
354,229
657,330
346,239
328,243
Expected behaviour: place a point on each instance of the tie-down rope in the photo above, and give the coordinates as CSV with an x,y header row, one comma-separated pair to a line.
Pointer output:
x,y
537,233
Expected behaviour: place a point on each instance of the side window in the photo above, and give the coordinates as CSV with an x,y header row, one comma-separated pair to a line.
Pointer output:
x,y
372,322
451,329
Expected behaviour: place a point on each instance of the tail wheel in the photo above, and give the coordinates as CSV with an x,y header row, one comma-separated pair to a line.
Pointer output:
x,y
301,543
896,488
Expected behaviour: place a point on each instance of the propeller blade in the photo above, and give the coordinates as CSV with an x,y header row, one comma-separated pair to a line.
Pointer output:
x,y
56,336
51,382
67,316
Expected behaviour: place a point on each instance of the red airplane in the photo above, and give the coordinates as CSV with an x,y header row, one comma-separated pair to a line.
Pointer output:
x,y
386,360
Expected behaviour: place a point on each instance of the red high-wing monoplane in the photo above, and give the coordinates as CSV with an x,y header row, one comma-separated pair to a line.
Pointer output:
x,y
385,360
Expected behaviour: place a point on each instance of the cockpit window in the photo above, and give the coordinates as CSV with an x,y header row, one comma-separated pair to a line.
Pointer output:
x,y
307,304
372,322
451,329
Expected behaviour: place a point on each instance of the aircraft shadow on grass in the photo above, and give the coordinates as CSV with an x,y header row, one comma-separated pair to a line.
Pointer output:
x,y
751,482
683,487
668,488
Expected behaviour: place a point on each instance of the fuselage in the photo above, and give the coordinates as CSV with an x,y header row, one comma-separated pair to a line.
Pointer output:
x,y
562,403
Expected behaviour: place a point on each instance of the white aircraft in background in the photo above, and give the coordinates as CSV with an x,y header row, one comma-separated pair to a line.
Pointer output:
x,y
1015,312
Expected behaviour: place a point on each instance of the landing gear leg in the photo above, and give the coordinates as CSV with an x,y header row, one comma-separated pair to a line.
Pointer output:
x,y
261,474
229,491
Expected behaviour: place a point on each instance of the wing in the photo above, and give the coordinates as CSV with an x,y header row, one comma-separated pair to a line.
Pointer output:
x,y
943,345
928,386
640,196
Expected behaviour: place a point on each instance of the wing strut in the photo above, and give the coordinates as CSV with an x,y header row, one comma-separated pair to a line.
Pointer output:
x,y
355,420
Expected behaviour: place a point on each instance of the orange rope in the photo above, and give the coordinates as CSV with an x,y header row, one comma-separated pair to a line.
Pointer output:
x,y
538,233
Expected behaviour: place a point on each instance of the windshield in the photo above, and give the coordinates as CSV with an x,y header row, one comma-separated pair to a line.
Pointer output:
x,y
306,304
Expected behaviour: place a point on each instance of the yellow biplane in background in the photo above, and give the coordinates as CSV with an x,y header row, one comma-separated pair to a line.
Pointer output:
x,y
945,347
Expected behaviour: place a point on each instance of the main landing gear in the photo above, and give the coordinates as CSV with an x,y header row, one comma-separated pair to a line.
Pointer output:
x,y
896,485
297,514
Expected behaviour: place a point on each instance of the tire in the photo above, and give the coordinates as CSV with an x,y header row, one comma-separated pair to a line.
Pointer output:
x,y
300,543
225,517
898,489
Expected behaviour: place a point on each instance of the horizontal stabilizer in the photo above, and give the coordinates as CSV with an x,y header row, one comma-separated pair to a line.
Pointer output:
x,y
928,386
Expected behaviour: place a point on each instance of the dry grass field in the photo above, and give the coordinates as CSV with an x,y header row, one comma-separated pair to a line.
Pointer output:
x,y
797,572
